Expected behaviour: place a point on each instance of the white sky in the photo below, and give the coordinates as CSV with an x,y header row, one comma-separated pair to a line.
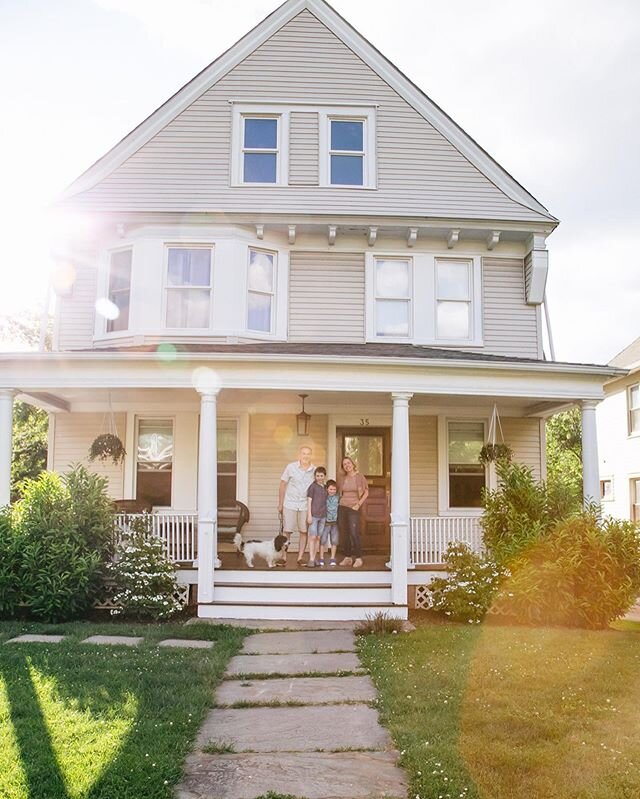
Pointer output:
x,y
551,90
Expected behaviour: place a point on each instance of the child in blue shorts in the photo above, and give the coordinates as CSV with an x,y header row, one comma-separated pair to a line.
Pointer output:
x,y
329,537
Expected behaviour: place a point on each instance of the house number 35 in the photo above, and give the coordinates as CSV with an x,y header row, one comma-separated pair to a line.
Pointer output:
x,y
364,423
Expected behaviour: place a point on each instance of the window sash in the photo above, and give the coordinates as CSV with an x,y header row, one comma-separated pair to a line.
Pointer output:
x,y
187,304
248,151
354,154
119,289
255,292
633,404
606,489
391,298
466,477
452,299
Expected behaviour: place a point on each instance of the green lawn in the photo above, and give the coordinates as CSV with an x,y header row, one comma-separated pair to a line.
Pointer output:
x,y
94,722
512,713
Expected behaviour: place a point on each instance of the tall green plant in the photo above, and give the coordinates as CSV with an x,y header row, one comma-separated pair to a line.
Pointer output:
x,y
91,509
564,449
29,447
9,567
522,510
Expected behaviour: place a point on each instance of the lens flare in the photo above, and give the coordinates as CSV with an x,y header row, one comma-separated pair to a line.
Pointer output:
x,y
107,309
63,277
205,379
283,435
166,352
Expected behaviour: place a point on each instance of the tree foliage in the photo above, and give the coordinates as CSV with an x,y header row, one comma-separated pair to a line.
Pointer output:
x,y
564,449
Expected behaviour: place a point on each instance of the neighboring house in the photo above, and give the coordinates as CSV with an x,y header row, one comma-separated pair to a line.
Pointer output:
x,y
301,219
619,438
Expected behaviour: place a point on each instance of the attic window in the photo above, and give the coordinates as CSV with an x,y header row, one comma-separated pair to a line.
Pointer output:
x,y
260,149
347,148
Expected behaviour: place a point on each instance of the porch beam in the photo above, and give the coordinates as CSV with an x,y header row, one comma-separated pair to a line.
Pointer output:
x,y
6,434
207,494
590,470
400,519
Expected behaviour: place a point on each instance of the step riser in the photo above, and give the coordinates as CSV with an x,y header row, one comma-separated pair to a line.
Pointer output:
x,y
315,613
304,576
303,595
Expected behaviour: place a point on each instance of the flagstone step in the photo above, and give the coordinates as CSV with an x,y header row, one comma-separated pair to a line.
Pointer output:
x,y
300,642
32,638
113,640
295,729
317,775
310,690
293,664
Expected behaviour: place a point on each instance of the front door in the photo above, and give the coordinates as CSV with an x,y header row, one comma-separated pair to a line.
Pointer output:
x,y
369,449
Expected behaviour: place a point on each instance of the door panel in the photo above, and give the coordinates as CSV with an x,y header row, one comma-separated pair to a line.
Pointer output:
x,y
370,449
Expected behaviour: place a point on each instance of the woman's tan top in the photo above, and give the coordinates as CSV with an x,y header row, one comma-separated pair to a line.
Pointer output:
x,y
351,488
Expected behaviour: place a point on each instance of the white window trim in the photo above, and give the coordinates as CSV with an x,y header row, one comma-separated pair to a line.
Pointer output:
x,y
107,292
147,417
471,302
273,293
632,503
368,117
443,467
409,300
630,431
423,282
239,113
166,288
607,480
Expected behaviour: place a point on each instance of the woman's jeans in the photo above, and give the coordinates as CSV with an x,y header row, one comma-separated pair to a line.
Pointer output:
x,y
349,524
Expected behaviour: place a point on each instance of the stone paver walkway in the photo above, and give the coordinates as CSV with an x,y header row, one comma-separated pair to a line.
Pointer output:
x,y
113,640
328,745
31,638
186,643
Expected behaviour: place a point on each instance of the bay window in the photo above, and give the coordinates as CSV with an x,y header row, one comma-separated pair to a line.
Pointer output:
x,y
392,293
189,271
261,291
453,299
119,290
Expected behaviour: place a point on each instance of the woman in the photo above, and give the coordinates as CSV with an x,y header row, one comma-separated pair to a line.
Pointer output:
x,y
353,490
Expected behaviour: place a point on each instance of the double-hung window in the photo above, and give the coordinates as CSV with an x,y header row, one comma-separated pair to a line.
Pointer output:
x,y
261,291
466,476
189,272
227,461
633,400
154,461
260,149
119,291
347,157
453,299
392,297
634,488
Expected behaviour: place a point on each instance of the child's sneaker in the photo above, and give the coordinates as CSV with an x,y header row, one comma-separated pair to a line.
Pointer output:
x,y
332,562
311,564
320,563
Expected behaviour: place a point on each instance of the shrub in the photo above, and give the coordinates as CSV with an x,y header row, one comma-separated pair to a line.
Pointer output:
x,y
379,623
145,581
91,509
583,573
9,567
467,591
57,569
522,510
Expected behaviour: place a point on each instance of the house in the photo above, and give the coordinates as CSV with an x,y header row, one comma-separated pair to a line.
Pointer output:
x,y
300,219
619,438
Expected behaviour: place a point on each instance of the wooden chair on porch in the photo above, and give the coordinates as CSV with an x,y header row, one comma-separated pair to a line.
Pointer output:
x,y
232,518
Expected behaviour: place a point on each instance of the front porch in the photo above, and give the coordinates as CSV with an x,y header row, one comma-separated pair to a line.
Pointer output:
x,y
197,437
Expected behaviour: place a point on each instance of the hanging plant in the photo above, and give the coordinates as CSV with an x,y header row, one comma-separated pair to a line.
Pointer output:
x,y
492,453
107,447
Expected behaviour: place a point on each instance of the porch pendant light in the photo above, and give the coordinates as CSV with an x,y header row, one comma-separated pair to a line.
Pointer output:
x,y
303,419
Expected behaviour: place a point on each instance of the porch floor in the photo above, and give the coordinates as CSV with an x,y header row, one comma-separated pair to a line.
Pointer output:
x,y
236,562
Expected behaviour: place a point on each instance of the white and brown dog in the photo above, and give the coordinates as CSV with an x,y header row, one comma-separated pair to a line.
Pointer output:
x,y
272,550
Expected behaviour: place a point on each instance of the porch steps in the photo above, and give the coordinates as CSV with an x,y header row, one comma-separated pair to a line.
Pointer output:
x,y
297,595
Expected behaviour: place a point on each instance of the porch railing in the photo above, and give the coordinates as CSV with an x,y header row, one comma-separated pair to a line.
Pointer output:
x,y
177,531
431,535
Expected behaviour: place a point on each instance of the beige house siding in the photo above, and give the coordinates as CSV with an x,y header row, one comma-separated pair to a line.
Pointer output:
x,y
304,154
75,313
326,297
73,435
510,325
523,436
273,443
423,437
186,166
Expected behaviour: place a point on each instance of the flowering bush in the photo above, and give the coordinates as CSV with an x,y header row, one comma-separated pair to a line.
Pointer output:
x,y
144,579
466,593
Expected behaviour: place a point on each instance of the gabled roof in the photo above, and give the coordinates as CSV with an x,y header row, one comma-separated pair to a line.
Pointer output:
x,y
183,98
629,357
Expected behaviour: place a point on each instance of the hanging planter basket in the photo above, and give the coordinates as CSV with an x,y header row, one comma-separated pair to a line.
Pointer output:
x,y
492,452
108,445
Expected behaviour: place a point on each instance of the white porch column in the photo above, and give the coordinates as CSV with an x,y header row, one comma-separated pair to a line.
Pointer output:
x,y
6,433
590,470
400,498
207,494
